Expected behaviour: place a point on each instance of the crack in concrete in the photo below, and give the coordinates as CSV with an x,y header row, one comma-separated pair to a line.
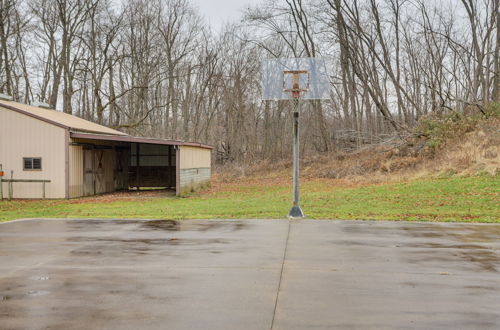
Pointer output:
x,y
281,274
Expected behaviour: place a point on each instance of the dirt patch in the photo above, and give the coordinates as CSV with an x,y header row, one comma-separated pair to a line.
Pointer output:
x,y
129,195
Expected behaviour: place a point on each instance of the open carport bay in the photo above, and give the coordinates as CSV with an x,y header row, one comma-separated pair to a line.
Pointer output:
x,y
248,274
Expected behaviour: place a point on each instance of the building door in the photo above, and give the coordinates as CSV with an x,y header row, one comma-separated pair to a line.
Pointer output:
x,y
88,172
99,178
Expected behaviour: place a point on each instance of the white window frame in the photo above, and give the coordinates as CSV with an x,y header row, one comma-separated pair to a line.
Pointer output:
x,y
32,163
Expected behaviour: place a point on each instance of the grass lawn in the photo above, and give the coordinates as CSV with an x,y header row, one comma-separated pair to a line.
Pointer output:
x,y
463,199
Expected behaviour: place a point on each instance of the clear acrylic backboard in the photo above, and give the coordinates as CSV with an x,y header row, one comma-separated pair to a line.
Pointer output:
x,y
281,75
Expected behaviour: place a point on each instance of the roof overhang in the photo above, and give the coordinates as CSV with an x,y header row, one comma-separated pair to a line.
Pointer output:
x,y
133,139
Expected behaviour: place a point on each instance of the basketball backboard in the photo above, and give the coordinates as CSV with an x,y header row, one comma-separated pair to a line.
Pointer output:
x,y
281,77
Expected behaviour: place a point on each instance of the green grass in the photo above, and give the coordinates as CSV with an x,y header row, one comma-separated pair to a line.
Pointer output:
x,y
463,199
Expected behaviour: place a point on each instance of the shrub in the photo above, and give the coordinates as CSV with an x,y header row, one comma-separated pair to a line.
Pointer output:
x,y
437,130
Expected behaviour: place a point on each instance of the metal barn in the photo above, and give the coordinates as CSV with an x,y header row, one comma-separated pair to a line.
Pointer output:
x,y
77,158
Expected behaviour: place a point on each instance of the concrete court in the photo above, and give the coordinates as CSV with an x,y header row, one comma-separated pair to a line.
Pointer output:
x,y
248,274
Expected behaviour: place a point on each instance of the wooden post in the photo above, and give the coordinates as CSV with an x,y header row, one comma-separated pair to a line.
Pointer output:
x,y
177,170
1,184
137,179
11,185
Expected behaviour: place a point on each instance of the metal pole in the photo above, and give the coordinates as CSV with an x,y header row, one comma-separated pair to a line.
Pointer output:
x,y
296,154
296,211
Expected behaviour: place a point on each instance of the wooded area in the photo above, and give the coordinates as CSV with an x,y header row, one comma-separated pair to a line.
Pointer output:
x,y
155,68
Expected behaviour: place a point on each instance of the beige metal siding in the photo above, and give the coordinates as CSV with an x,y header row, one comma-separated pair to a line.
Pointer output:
x,y
75,171
24,136
194,169
195,157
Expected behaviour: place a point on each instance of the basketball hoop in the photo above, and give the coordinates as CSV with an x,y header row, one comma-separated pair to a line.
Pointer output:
x,y
295,79
279,75
295,89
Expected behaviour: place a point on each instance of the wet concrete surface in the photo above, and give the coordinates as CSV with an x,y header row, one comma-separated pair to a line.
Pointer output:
x,y
248,274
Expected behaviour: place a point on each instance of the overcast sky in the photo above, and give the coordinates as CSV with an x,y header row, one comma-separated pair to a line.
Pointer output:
x,y
218,12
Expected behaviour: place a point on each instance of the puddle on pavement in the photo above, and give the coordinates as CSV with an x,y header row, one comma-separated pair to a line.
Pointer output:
x,y
111,246
466,243
155,236
86,252
151,241
463,233
424,243
482,259
156,224
168,225
481,287
487,260
475,233
239,225
217,225
188,225
433,245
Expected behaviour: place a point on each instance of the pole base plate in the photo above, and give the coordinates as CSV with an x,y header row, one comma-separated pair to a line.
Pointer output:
x,y
296,212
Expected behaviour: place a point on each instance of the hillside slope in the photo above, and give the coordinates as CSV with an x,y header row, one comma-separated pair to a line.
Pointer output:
x,y
436,147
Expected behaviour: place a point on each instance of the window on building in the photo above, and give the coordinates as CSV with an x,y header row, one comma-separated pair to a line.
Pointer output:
x,y
30,163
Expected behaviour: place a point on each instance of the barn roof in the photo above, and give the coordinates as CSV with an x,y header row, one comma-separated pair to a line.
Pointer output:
x,y
81,128
59,118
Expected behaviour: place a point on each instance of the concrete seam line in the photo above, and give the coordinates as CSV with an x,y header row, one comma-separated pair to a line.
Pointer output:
x,y
281,273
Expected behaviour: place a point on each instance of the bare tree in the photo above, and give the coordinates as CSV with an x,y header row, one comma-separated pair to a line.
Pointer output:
x,y
155,68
